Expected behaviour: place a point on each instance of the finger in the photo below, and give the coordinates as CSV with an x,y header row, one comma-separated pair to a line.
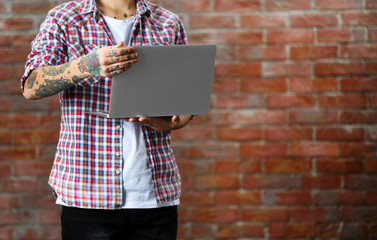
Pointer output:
x,y
175,119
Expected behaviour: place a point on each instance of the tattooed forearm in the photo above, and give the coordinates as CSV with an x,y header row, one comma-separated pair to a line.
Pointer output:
x,y
31,80
55,70
90,63
51,87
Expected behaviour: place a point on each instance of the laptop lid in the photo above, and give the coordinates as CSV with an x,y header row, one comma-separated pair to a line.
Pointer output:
x,y
167,80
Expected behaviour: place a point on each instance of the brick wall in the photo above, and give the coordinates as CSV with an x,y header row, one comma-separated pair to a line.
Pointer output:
x,y
288,150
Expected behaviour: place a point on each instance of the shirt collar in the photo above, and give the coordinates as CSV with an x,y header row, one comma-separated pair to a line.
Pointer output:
x,y
90,6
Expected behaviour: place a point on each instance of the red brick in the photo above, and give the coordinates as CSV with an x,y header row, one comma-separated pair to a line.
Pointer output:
x,y
12,120
286,101
212,21
339,198
5,202
40,136
341,35
282,5
227,231
200,37
263,20
288,133
317,214
6,218
310,52
216,182
213,150
189,133
31,7
5,72
227,166
16,23
359,84
290,36
313,85
5,40
292,230
252,231
263,150
5,233
196,167
371,165
250,166
297,68
17,153
224,85
32,168
218,215
18,186
359,51
264,215
49,216
213,118
313,116
238,134
5,170
252,52
265,181
259,116
237,198
325,181
186,6
314,149
263,85
243,101
354,116
286,198
340,133
371,4
338,68
360,182
340,4
371,198
372,34
196,199
373,100
239,37
314,19
13,55
243,69
237,5
343,100
359,18
358,149
202,231
371,67
343,231
340,165
358,214
287,166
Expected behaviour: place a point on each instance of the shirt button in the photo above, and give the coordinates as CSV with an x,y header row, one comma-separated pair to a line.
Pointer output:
x,y
117,154
118,171
118,127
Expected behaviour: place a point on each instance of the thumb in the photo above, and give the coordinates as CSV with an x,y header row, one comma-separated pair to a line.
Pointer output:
x,y
120,44
175,119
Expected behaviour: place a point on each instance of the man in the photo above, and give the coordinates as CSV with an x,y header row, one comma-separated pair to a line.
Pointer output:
x,y
115,178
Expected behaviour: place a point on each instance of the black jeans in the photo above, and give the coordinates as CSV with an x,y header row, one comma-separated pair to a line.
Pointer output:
x,y
124,224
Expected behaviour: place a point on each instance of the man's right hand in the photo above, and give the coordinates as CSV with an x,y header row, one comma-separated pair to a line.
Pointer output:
x,y
108,61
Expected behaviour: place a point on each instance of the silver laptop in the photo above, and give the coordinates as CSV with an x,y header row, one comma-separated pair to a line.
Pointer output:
x,y
167,80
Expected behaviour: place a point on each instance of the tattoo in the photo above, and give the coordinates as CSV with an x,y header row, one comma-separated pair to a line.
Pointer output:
x,y
113,68
51,87
55,70
76,79
31,80
124,51
115,59
112,52
90,63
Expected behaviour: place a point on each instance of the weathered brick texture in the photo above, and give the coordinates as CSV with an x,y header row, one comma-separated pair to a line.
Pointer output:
x,y
287,151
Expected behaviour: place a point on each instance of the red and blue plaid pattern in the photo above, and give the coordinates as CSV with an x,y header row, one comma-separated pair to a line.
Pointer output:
x,y
89,151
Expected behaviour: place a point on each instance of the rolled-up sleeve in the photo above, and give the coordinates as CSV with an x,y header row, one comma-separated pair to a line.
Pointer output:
x,y
47,49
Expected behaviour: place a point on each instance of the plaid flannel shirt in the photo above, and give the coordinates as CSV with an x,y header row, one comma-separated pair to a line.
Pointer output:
x,y
87,169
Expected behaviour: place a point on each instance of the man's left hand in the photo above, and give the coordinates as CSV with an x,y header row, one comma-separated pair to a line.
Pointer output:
x,y
162,123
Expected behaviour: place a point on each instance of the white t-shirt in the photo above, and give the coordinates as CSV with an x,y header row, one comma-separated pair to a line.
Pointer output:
x,y
137,177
